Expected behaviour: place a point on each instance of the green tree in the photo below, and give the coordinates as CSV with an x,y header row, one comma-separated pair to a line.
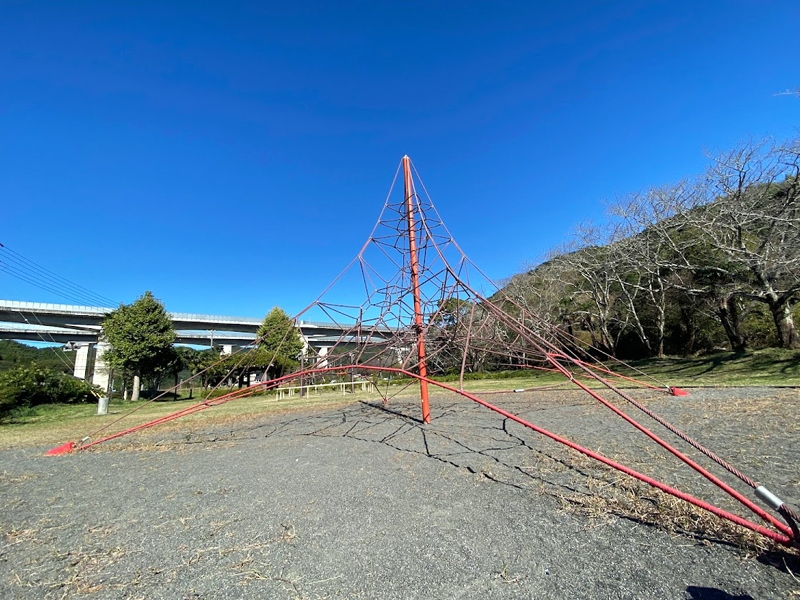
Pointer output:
x,y
172,368
141,337
196,362
206,359
32,385
279,343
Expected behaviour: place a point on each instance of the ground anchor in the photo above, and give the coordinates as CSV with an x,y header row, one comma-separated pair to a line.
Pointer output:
x,y
62,449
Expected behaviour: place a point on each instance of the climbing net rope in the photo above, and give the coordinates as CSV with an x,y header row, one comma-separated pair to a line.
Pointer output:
x,y
412,304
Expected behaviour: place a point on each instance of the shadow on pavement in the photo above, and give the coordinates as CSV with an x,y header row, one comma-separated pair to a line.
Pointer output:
x,y
706,593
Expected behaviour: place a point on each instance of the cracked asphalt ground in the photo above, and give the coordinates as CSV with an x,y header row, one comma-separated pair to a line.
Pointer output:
x,y
362,501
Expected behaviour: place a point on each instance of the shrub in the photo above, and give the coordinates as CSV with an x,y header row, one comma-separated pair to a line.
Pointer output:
x,y
31,385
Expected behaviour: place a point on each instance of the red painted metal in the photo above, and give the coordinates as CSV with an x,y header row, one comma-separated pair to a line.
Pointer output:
x,y
677,453
185,411
62,449
596,368
412,251
786,537
421,243
609,372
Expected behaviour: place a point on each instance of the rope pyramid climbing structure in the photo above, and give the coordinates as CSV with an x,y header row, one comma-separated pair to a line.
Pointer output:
x,y
413,305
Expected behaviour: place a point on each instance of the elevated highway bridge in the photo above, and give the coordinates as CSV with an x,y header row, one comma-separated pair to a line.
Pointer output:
x,y
79,328
62,335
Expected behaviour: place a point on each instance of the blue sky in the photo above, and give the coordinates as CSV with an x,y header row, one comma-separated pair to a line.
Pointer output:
x,y
231,156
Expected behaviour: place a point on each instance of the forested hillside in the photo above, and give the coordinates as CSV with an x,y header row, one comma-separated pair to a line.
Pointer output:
x,y
13,354
711,262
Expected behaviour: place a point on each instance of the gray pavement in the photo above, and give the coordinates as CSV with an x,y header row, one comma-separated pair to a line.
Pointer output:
x,y
362,501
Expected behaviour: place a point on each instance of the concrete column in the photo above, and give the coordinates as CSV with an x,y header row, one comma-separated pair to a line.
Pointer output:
x,y
323,352
137,388
82,354
306,347
227,349
101,370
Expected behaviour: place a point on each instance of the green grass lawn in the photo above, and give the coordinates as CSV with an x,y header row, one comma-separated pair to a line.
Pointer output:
x,y
772,366
56,424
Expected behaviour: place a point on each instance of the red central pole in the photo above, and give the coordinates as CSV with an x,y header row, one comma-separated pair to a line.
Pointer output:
x,y
412,251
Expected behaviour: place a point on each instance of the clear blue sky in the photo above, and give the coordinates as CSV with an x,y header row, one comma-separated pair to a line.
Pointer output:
x,y
230,156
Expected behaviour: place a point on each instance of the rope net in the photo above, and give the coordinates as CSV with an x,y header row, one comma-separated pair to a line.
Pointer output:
x,y
412,304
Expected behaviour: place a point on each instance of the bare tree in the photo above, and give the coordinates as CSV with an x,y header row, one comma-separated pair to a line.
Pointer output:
x,y
656,249
599,267
544,291
726,240
751,228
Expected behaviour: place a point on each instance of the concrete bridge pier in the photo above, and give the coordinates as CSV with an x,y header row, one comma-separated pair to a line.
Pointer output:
x,y
322,356
102,372
83,353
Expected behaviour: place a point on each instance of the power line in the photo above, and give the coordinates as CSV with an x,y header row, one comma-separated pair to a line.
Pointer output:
x,y
52,339
27,270
43,284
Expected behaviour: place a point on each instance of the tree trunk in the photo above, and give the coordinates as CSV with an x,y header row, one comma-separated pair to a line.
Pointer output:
x,y
640,331
135,388
691,330
728,313
660,300
784,323
661,336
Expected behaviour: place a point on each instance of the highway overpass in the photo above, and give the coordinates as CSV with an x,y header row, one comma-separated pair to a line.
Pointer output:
x,y
91,318
62,335
80,327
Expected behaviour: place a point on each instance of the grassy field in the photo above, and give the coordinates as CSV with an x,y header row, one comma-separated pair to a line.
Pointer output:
x,y
772,367
56,424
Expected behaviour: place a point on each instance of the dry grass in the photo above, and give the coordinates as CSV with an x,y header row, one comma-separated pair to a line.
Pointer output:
x,y
8,479
83,571
83,574
620,497
53,425
607,495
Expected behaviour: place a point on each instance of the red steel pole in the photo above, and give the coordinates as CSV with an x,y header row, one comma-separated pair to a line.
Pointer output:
x,y
412,251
